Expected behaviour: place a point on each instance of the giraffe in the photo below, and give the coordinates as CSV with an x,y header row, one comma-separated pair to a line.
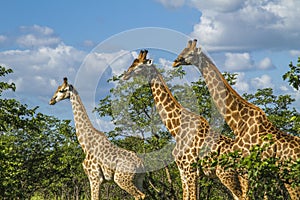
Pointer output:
x,y
103,161
248,122
191,132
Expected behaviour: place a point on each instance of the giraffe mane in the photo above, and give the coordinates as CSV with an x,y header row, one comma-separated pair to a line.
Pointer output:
x,y
166,87
212,65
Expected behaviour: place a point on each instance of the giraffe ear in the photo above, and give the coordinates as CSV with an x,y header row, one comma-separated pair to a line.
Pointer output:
x,y
198,50
71,87
149,62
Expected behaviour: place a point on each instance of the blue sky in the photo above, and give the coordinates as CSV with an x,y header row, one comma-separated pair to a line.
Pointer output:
x,y
78,21
43,41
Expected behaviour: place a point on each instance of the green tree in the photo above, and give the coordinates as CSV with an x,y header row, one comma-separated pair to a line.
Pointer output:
x,y
266,176
39,154
293,75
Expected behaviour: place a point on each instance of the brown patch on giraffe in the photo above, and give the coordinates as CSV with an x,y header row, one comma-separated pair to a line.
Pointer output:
x,y
174,122
233,105
247,146
254,139
235,116
240,143
162,97
247,138
250,122
177,122
158,92
251,113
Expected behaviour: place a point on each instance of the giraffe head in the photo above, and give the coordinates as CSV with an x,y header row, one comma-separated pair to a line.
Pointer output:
x,y
138,65
188,54
62,92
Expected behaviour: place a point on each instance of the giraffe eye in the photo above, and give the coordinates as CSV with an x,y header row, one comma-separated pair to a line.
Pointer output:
x,y
181,59
63,90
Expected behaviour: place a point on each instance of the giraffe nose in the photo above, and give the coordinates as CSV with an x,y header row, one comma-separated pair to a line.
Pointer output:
x,y
176,63
126,75
52,101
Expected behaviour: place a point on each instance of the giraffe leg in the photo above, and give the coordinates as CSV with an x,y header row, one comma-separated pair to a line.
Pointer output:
x,y
294,192
95,178
185,189
189,179
126,181
244,186
192,180
230,179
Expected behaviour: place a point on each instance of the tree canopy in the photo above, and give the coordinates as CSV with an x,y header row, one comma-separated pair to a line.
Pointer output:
x,y
40,157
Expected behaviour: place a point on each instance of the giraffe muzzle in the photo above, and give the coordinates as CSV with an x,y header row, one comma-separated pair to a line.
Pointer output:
x,y
52,101
178,62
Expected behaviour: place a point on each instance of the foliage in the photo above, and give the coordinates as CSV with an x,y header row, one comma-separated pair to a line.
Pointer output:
x,y
38,153
293,75
4,85
266,175
41,158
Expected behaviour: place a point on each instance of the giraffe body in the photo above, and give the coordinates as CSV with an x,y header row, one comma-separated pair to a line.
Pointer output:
x,y
104,161
192,133
248,122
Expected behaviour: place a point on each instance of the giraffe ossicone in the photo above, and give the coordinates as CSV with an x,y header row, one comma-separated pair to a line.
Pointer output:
x,y
103,160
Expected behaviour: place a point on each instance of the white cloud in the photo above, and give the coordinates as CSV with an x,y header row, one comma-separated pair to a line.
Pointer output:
x,y
104,125
31,40
37,36
120,61
96,63
208,31
295,53
217,5
238,61
172,3
265,63
244,61
237,25
44,30
241,85
166,64
53,83
265,81
284,88
39,68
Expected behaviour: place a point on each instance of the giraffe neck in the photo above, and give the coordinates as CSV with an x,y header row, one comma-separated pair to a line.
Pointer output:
x,y
235,110
167,106
85,130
